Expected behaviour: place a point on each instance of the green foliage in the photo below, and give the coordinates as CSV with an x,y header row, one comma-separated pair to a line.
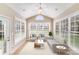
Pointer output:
x,y
0,37
50,34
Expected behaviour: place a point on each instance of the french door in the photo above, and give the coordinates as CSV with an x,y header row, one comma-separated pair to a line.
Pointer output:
x,y
4,35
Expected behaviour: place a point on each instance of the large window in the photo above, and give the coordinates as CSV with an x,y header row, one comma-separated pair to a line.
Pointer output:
x,y
39,18
75,31
19,30
1,34
57,28
69,30
39,29
64,29
23,27
17,27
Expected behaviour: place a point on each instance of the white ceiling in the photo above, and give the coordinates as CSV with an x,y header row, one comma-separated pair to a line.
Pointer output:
x,y
49,9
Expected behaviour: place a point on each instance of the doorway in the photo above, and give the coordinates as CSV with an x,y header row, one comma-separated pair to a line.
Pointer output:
x,y
4,35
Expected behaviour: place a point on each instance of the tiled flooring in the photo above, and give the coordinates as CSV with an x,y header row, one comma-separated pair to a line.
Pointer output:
x,y
30,50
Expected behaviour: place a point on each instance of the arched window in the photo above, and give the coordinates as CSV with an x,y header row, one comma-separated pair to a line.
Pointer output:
x,y
39,17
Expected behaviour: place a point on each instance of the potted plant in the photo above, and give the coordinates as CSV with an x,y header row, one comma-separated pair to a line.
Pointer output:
x,y
50,34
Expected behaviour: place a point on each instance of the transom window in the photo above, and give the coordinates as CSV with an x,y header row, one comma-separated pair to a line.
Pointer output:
x,y
39,17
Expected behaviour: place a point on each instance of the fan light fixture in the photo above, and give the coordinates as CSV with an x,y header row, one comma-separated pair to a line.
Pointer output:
x,y
40,17
40,9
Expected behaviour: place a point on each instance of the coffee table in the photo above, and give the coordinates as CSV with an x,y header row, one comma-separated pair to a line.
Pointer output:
x,y
38,44
60,48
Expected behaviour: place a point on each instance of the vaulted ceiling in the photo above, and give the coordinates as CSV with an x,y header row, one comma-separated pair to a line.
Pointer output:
x,y
30,9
